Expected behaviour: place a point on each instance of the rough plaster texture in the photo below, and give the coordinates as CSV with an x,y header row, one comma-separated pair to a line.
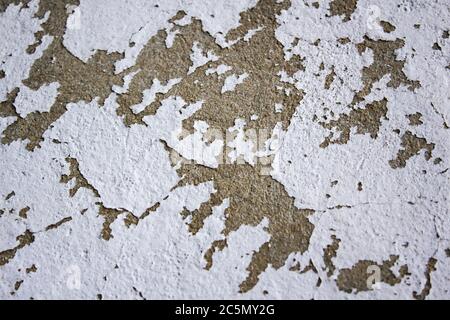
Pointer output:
x,y
224,149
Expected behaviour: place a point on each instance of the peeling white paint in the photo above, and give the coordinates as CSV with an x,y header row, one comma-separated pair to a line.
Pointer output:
x,y
126,83
232,81
220,69
251,33
199,58
105,24
17,29
150,94
41,100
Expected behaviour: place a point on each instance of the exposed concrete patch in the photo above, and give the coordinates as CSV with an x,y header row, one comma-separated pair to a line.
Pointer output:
x,y
387,27
40,100
248,189
412,145
414,119
384,63
23,213
330,78
77,80
343,8
329,253
24,239
367,120
79,180
242,57
31,269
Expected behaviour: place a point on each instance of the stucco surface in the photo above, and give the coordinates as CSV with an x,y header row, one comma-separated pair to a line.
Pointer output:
x,y
224,149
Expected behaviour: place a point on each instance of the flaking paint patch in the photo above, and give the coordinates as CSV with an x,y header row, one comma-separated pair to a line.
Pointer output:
x,y
384,63
366,121
261,57
329,253
79,181
248,189
387,26
265,197
24,239
414,119
411,146
343,8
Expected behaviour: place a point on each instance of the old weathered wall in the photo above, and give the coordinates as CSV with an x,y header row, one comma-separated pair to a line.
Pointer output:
x,y
224,149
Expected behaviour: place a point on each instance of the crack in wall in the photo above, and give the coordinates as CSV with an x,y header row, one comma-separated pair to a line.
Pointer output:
x,y
108,214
